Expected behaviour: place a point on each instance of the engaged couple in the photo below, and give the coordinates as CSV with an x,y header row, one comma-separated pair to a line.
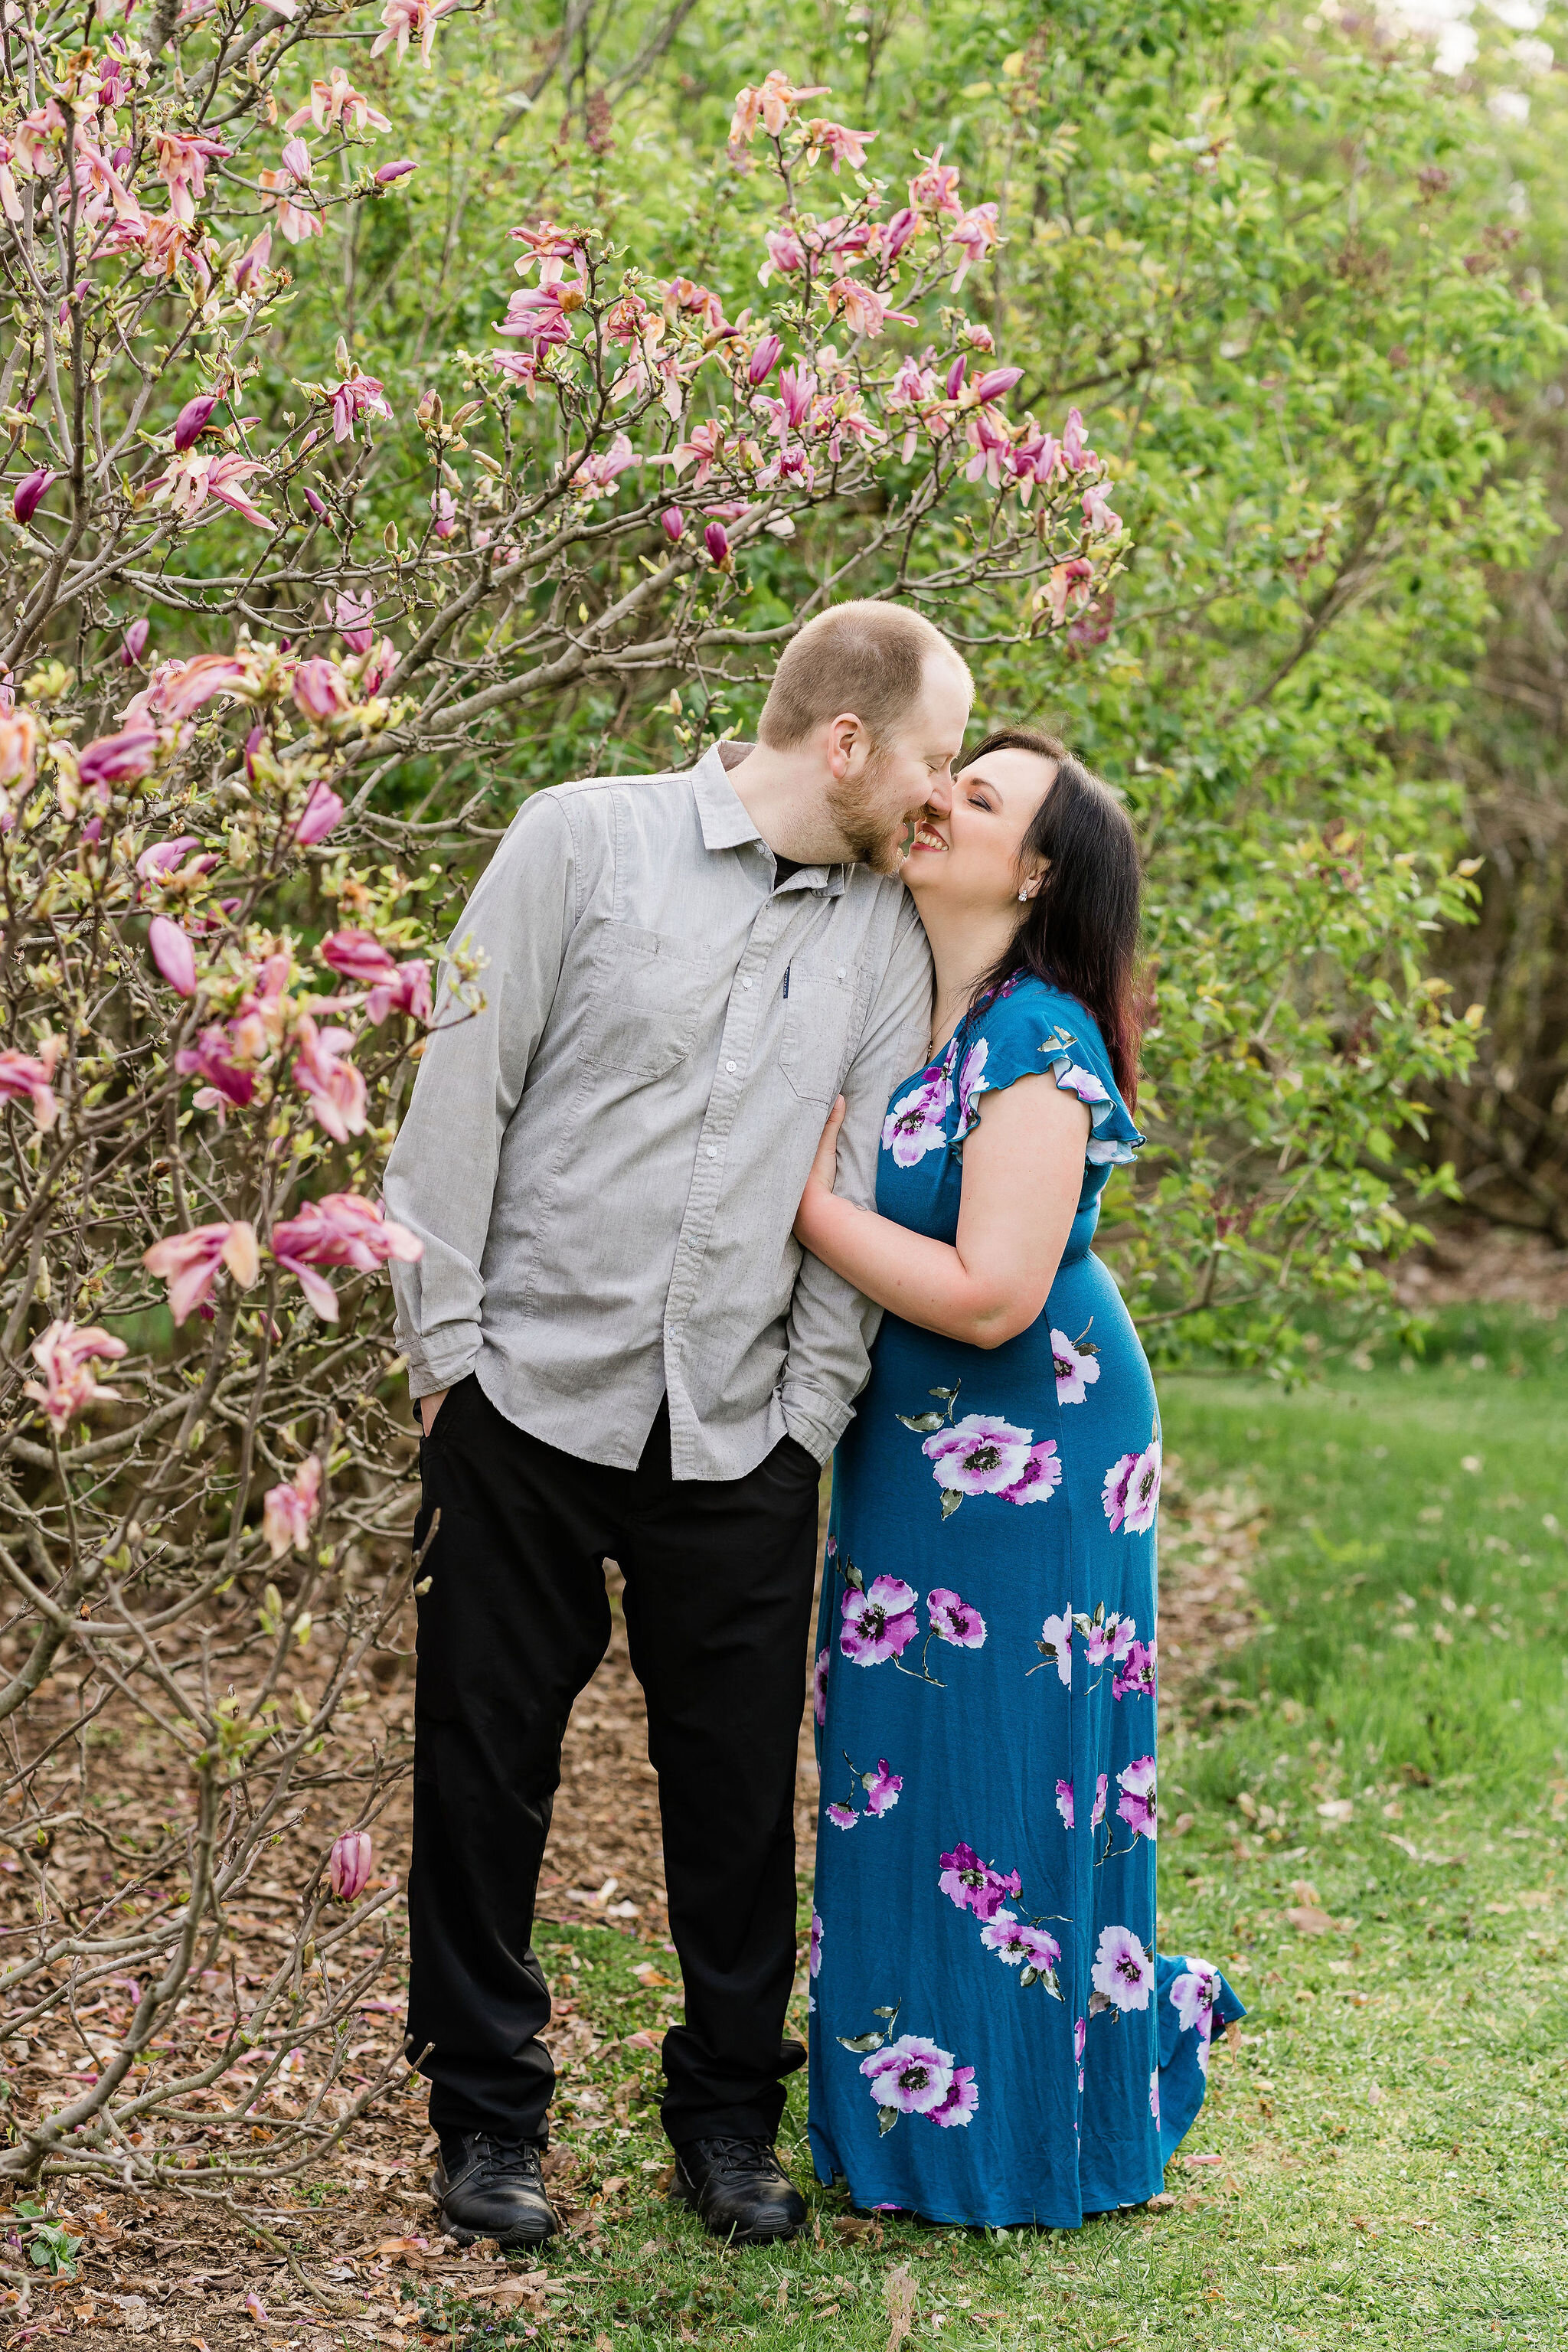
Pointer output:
x,y
734,1173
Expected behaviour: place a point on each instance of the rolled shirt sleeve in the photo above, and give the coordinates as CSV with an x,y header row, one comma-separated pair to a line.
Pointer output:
x,y
831,1325
441,1176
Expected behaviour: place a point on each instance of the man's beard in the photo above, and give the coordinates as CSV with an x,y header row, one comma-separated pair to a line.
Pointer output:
x,y
873,840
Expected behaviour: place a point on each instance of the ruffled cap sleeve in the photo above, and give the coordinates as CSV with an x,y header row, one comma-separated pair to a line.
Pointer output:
x,y
1028,1028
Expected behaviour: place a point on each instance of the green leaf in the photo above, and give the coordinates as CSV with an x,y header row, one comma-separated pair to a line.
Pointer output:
x,y
946,1395
884,2012
885,2122
1029,1976
922,1424
861,2043
853,1576
951,1500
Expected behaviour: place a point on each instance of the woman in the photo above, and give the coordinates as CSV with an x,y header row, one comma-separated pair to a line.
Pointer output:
x,y
994,2040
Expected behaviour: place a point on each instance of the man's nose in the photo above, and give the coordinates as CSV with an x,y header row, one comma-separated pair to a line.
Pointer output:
x,y
939,800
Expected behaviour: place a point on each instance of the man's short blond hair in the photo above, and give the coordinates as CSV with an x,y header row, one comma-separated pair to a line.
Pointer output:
x,y
868,658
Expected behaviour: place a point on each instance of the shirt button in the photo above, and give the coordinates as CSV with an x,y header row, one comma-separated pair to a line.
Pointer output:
x,y
731,1067
712,1152
841,971
746,983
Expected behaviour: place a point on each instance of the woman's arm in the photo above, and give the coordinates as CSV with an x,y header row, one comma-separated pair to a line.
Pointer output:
x,y
1023,1173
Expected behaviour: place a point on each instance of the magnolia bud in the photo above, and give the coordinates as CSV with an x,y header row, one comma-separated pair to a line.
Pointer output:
x,y
317,506
174,955
716,539
672,523
135,643
297,158
389,171
955,377
764,360
192,420
351,1865
30,491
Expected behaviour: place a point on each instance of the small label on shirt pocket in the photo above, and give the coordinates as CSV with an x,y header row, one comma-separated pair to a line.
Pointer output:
x,y
652,992
817,1013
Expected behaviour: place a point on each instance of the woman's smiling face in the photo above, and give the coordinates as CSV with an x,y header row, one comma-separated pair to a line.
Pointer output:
x,y
968,843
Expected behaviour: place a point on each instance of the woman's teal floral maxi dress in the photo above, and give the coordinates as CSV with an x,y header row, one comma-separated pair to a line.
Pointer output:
x,y
992,2037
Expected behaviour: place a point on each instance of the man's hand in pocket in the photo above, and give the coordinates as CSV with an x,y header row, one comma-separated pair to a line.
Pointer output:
x,y
430,1406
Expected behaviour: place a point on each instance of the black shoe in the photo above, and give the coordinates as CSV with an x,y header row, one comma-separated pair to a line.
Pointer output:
x,y
491,2187
738,2189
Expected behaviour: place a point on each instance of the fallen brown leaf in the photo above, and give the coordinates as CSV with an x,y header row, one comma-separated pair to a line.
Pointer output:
x,y
857,2229
899,2290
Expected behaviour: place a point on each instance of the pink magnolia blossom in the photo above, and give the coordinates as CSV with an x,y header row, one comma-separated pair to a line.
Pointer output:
x,y
354,616
251,269
772,103
134,642
672,523
541,314
336,1088
1074,452
407,991
289,1510
18,745
785,253
1098,514
172,953
116,760
956,1621
339,1230
1067,583
398,171
443,507
28,1078
838,143
882,1788
996,381
1122,1973
322,809
336,102
194,418
296,222
992,445
357,955
716,539
980,1455
189,1262
182,166
764,360
183,687
1138,1805
1040,1476
211,1059
819,1686
407,20
356,395
971,1885
351,1865
197,476
910,2075
864,312
974,234
69,1360
935,189
297,161
962,2100
904,225
320,690
1055,1644
879,1622
30,490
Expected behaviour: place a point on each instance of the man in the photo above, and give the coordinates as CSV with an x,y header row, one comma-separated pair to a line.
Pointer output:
x,y
619,1351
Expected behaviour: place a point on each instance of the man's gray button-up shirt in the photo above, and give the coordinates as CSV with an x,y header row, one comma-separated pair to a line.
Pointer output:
x,y
604,1164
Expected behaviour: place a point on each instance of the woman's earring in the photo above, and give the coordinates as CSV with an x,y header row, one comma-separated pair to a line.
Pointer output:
x,y
1023,895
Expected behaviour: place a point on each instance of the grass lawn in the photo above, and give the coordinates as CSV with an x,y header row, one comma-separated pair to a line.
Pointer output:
x,y
1384,2160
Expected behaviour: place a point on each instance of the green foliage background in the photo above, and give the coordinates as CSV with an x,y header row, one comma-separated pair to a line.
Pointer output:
x,y
1279,264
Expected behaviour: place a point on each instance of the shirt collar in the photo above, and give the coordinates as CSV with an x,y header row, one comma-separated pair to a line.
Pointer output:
x,y
726,823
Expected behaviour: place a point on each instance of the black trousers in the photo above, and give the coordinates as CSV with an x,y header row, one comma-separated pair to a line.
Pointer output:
x,y
718,1594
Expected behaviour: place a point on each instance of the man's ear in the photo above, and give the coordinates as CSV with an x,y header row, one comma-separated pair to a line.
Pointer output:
x,y
845,737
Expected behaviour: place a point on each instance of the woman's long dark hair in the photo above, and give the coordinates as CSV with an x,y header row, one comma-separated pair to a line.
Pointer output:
x,y
1080,932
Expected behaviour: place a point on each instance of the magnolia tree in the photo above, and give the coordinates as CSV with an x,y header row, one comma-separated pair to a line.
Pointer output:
x,y
224,661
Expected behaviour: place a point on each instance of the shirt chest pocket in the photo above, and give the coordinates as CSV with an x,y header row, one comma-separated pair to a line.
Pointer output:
x,y
652,992
818,1026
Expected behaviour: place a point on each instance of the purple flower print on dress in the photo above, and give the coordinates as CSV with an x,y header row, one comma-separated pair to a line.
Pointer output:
x,y
1017,1944
1098,1815
883,1788
914,1125
1108,1637
980,1455
1136,1804
878,1621
1076,1369
1040,1476
819,1686
962,2099
1055,1645
974,1885
814,1962
1155,2094
1079,2036
1113,1493
972,1085
1136,1678
954,1620
843,1817
1193,1997
911,2076
1123,1974
1081,1083
1064,1802
1142,1495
